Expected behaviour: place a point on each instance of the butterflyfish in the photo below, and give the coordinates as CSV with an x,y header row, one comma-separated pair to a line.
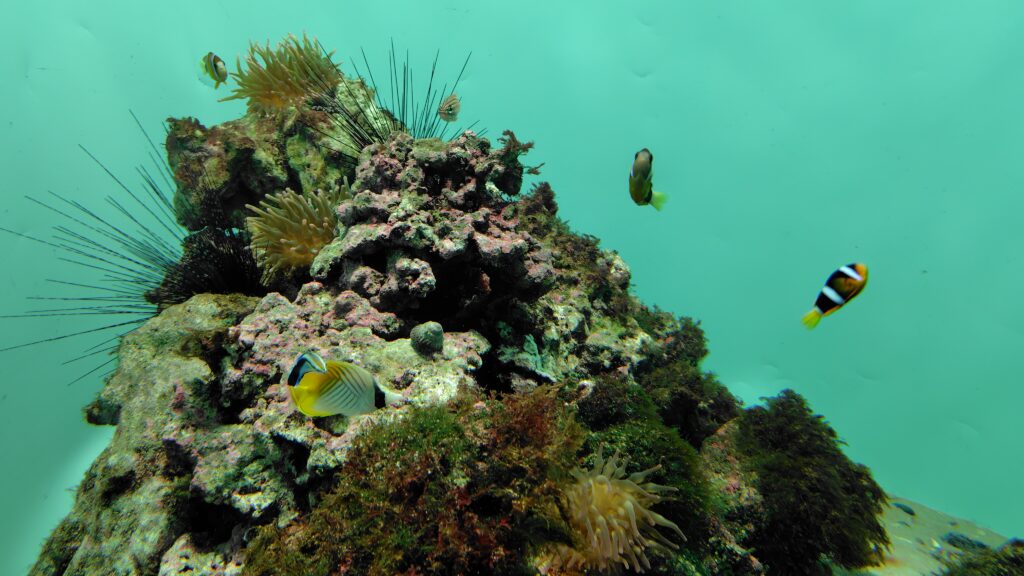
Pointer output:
x,y
449,108
641,181
842,286
321,387
212,67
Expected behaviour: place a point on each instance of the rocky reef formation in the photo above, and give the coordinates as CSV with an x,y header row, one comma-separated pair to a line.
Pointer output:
x,y
522,355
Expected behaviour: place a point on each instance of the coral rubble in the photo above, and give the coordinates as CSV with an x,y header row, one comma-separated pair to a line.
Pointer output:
x,y
521,353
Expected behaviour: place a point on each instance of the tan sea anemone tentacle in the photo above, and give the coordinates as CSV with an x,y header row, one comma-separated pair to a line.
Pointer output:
x,y
288,229
274,80
610,517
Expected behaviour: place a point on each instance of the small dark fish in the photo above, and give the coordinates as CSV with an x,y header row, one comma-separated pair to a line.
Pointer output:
x,y
962,542
905,508
212,67
449,108
641,181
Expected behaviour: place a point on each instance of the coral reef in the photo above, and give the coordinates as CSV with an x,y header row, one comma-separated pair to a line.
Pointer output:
x,y
456,490
136,499
516,343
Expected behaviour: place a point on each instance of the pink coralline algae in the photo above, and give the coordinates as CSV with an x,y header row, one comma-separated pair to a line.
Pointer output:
x,y
422,228
345,327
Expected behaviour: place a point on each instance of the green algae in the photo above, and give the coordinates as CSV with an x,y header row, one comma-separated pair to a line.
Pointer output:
x,y
818,503
1008,560
650,443
461,489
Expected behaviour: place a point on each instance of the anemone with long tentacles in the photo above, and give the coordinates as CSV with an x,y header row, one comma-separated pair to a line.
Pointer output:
x,y
274,80
289,229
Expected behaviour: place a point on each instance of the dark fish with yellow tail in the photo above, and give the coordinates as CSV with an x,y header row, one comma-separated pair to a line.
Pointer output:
x,y
641,181
842,286
212,67
321,387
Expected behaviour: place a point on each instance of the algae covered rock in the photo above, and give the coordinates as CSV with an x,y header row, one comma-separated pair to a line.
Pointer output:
x,y
427,338
1007,560
813,503
134,500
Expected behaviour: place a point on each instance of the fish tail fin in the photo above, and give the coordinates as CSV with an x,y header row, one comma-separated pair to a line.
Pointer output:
x,y
658,200
812,318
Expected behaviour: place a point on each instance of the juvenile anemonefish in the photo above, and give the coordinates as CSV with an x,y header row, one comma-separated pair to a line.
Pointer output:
x,y
449,108
326,388
842,286
641,184
212,67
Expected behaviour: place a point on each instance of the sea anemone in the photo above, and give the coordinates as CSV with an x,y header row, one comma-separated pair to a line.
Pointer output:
x,y
610,516
289,229
276,79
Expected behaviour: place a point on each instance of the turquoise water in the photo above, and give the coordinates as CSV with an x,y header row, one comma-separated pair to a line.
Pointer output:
x,y
792,137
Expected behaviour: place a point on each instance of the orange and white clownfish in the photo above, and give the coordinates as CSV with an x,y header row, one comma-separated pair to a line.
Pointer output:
x,y
641,181
321,387
212,67
842,286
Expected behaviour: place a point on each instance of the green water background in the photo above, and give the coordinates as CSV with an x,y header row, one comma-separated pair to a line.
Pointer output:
x,y
791,136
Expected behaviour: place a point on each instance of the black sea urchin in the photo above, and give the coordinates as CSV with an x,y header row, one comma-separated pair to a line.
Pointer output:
x,y
365,112
141,258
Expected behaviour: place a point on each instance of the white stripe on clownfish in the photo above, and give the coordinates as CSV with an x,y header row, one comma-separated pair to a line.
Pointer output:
x,y
833,295
851,273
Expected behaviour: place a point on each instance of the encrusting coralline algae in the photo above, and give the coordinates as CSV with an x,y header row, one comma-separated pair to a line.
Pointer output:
x,y
521,353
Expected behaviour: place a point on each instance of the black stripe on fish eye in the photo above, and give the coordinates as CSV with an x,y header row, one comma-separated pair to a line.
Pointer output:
x,y
379,400
297,371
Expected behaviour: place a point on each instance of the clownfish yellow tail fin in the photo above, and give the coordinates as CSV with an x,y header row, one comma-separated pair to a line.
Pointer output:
x,y
812,318
658,200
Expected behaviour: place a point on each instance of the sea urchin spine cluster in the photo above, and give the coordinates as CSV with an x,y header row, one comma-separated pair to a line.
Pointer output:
x,y
611,517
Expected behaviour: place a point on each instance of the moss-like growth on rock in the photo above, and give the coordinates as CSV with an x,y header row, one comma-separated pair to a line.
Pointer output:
x,y
1008,560
818,503
446,490
614,400
689,399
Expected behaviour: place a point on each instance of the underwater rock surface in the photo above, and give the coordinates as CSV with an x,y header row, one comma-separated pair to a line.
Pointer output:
x,y
521,355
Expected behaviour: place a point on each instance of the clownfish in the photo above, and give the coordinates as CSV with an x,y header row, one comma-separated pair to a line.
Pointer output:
x,y
842,286
641,186
449,108
212,67
326,388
